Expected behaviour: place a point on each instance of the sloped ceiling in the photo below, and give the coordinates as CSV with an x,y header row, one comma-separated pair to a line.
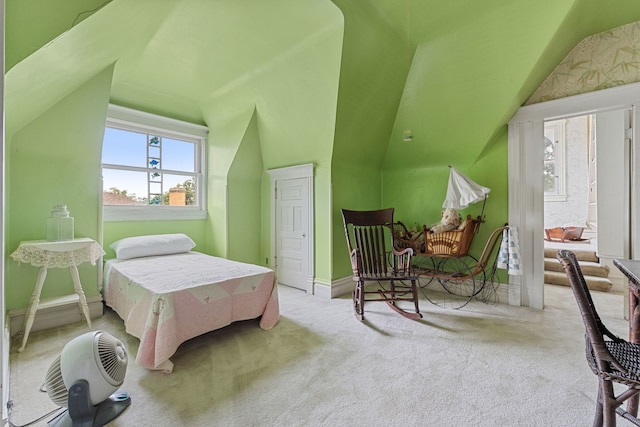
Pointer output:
x,y
469,66
170,56
203,48
475,63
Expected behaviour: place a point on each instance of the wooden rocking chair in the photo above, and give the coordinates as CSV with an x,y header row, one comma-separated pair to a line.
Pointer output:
x,y
369,234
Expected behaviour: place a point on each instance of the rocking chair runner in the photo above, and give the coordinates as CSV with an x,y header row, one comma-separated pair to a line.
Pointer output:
x,y
368,236
612,359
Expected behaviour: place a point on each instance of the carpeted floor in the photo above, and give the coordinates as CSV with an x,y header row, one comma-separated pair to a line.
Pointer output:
x,y
483,365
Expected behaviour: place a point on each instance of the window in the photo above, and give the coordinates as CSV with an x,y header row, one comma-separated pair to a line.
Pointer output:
x,y
554,163
152,167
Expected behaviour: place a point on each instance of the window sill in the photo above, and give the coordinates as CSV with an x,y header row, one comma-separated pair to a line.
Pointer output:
x,y
147,213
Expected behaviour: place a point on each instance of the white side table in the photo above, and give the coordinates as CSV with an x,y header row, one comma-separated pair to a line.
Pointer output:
x,y
45,254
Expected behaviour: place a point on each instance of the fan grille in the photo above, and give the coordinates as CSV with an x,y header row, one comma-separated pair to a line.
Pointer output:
x,y
54,384
113,358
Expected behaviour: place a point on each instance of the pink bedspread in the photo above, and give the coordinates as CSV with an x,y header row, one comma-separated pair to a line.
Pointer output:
x,y
166,300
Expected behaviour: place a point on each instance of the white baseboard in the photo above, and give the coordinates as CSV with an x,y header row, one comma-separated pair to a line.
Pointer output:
x,y
53,317
345,285
335,288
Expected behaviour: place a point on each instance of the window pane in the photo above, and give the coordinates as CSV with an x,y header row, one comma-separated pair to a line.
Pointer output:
x,y
137,157
178,155
549,166
123,147
124,187
549,150
179,190
154,151
550,177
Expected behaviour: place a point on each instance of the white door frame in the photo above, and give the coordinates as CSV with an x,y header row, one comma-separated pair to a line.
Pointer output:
x,y
526,195
294,172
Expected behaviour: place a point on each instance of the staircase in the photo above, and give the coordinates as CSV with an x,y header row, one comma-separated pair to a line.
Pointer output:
x,y
596,275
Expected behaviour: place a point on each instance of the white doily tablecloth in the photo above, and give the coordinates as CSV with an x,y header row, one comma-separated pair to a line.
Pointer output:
x,y
42,253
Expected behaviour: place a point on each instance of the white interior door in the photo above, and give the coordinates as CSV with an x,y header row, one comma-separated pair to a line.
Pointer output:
x,y
292,226
292,231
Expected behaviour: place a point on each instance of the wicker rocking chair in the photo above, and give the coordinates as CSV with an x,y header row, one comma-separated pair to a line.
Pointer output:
x,y
375,260
612,359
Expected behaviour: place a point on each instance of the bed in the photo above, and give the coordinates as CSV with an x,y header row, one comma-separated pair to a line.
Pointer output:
x,y
167,295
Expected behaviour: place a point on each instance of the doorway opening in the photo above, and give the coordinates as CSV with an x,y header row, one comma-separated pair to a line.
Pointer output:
x,y
586,172
526,200
570,185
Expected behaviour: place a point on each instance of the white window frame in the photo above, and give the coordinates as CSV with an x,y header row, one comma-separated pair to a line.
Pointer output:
x,y
139,121
555,131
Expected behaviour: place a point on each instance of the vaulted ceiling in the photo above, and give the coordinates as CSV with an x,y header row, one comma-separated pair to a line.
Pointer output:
x,y
454,72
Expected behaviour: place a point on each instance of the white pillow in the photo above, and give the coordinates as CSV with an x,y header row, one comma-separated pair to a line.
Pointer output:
x,y
155,244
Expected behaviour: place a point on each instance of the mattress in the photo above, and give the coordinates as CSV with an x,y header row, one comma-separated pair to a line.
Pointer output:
x,y
166,300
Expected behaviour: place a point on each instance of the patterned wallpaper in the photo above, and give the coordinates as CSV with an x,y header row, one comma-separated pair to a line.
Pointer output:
x,y
601,61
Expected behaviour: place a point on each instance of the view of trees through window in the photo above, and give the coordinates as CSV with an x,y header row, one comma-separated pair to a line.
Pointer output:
x,y
140,168
125,198
550,175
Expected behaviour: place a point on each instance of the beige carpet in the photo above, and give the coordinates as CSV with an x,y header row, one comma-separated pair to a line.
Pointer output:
x,y
483,365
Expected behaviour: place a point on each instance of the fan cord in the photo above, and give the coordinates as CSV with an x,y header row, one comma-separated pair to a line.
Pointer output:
x,y
34,421
10,410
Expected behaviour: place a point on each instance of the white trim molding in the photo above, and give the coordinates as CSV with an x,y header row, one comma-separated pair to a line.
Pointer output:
x,y
125,115
336,288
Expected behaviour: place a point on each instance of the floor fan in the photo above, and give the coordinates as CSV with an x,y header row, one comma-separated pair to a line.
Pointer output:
x,y
84,378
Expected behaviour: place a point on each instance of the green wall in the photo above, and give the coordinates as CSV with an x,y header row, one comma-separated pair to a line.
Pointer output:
x,y
244,195
455,84
329,83
375,62
226,131
281,116
55,159
421,202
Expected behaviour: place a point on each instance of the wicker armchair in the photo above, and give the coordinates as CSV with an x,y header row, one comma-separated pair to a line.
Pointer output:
x,y
368,235
403,238
612,359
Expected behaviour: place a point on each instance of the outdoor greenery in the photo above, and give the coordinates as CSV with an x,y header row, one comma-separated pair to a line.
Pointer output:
x,y
549,166
188,185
